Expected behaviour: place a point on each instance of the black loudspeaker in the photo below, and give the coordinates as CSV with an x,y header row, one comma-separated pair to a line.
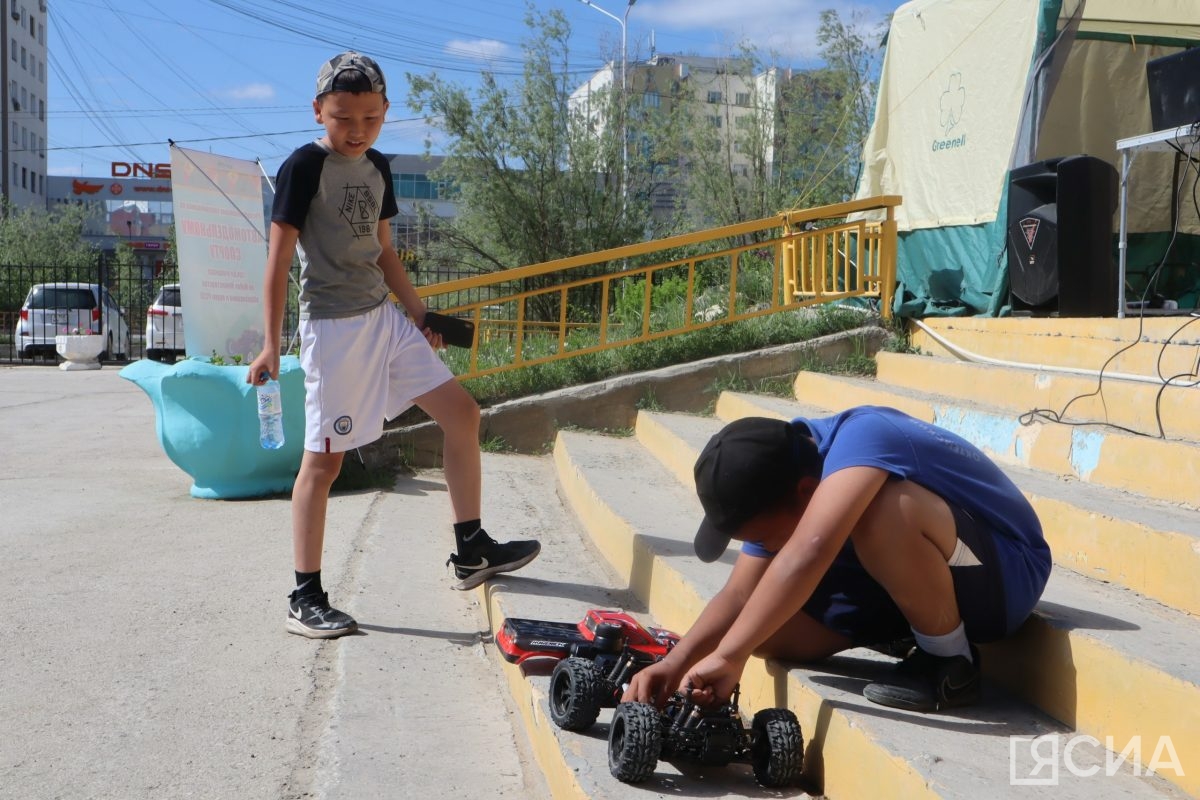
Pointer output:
x,y
1060,234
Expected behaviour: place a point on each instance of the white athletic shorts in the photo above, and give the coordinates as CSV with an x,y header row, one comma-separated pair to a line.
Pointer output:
x,y
359,371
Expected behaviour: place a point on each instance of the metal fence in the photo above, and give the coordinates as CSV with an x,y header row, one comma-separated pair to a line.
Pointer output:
x,y
132,287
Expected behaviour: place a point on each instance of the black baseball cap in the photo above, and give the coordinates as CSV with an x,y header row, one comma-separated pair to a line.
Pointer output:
x,y
350,60
747,466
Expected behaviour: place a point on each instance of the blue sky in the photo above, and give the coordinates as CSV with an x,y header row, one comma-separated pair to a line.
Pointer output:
x,y
236,76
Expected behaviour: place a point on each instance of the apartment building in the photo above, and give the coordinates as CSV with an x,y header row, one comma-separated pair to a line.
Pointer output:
x,y
724,94
23,85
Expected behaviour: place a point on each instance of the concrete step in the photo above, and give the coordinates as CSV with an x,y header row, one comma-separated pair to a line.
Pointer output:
x,y
566,580
1137,406
1096,525
641,518
1161,345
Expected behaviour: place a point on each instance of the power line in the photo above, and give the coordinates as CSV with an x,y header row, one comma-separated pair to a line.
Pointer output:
x,y
209,139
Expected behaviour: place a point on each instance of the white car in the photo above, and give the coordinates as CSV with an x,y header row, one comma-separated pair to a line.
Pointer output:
x,y
164,325
51,309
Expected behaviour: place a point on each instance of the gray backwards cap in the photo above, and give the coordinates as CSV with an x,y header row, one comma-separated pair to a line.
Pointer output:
x,y
350,60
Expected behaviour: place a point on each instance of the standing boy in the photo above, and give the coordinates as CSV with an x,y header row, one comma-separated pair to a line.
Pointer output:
x,y
863,528
363,360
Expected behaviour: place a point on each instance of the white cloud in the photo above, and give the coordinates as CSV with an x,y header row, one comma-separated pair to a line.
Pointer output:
x,y
788,27
251,91
477,49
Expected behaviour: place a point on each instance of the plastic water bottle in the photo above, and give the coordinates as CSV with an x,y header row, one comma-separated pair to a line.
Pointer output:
x,y
270,414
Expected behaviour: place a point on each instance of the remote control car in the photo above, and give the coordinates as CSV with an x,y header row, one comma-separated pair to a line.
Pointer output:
x,y
640,735
595,659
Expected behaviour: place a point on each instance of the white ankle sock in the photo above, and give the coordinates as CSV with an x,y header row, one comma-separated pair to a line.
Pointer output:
x,y
949,644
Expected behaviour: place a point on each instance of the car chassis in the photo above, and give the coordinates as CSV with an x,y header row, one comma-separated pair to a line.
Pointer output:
x,y
641,734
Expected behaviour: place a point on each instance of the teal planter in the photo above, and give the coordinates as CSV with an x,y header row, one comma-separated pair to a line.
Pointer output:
x,y
207,423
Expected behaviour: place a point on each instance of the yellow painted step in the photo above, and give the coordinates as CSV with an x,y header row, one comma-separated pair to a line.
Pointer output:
x,y
1079,399
1166,346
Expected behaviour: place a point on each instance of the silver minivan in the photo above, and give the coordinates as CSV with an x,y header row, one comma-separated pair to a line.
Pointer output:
x,y
51,309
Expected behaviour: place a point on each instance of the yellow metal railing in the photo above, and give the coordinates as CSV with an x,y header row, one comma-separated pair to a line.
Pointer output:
x,y
597,301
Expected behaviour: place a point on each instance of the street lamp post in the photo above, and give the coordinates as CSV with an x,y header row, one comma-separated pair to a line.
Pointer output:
x,y
622,20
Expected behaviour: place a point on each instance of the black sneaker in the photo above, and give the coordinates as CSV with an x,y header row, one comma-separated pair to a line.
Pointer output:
x,y
312,616
491,558
925,682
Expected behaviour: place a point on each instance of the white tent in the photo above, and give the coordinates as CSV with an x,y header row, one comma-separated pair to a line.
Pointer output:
x,y
971,89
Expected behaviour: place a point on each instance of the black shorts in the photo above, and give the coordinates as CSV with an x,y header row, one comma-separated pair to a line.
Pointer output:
x,y
851,602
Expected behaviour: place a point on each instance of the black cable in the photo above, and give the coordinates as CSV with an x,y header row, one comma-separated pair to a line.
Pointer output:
x,y
1050,415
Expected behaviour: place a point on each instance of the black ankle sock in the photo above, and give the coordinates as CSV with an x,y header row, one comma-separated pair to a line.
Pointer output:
x,y
308,583
468,535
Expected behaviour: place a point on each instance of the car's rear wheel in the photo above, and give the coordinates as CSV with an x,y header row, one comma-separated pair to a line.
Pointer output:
x,y
573,702
106,354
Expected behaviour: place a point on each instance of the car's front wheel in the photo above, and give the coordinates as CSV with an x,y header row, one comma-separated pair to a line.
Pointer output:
x,y
634,742
777,748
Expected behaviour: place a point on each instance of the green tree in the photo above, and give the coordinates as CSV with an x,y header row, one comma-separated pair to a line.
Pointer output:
x,y
834,107
532,179
34,236
39,238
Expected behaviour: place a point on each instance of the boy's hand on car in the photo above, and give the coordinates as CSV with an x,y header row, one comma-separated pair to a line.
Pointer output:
x,y
652,684
713,679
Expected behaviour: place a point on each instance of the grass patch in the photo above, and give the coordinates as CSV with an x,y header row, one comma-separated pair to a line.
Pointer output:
x,y
776,385
779,386
494,444
737,337
649,402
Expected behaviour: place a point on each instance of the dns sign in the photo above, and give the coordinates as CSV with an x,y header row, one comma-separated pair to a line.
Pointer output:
x,y
124,169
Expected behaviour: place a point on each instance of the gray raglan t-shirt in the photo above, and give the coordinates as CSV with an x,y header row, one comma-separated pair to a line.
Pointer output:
x,y
336,203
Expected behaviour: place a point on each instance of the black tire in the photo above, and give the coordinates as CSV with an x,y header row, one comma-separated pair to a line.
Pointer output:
x,y
154,354
634,742
777,749
107,353
573,702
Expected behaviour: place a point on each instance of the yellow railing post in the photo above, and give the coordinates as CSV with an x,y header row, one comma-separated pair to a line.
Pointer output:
x,y
887,263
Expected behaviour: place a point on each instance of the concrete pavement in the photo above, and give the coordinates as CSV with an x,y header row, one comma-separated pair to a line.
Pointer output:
x,y
146,655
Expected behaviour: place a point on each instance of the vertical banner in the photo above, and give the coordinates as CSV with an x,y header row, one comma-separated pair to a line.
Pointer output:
x,y
219,230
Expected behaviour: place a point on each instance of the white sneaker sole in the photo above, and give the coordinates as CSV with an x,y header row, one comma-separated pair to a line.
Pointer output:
x,y
476,578
300,629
